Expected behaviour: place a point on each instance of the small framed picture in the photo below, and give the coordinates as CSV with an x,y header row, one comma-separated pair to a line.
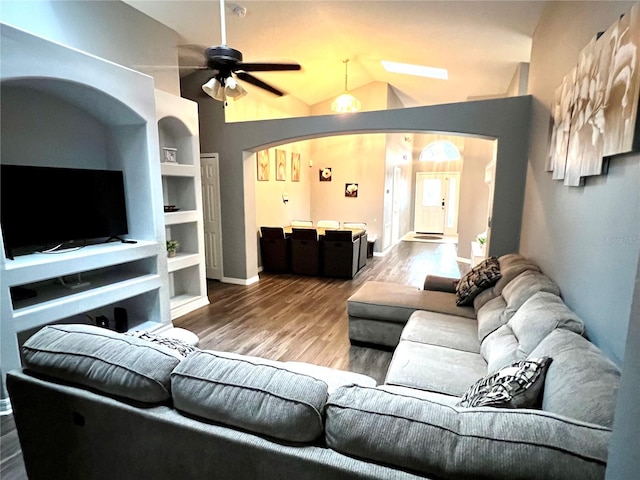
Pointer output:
x,y
351,190
169,155
325,174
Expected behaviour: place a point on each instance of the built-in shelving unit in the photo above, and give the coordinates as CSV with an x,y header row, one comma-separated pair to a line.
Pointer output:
x,y
63,108
181,189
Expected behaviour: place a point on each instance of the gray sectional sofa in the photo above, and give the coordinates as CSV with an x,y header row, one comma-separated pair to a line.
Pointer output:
x,y
97,404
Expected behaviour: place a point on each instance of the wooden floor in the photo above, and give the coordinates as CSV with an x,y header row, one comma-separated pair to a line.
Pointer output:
x,y
289,317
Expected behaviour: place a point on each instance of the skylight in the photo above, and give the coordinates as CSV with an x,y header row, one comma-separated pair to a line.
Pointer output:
x,y
418,70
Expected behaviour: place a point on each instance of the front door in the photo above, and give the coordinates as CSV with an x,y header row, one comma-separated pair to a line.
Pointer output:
x,y
436,203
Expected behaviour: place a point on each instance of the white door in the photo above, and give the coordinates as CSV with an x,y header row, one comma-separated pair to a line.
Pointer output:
x,y
436,203
211,211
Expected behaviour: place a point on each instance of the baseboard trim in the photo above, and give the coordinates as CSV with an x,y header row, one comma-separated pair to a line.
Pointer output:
x,y
463,260
240,281
5,406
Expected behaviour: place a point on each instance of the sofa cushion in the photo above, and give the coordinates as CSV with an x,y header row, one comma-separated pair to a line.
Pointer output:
x,y
393,302
434,368
511,265
479,278
260,398
498,311
443,330
538,316
103,360
515,386
581,383
450,442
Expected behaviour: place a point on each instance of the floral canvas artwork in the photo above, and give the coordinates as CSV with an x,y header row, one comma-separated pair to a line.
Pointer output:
x,y
325,174
281,165
295,167
263,165
351,190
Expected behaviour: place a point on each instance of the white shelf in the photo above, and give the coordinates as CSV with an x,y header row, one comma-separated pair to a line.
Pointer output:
x,y
176,218
177,169
104,292
41,266
178,128
182,260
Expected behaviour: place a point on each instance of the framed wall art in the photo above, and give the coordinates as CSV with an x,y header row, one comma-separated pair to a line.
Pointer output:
x,y
281,165
264,165
295,167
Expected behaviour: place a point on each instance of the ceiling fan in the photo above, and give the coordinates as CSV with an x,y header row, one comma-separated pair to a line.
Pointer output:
x,y
225,63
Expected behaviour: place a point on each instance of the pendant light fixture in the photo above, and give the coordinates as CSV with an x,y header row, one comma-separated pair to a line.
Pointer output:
x,y
346,102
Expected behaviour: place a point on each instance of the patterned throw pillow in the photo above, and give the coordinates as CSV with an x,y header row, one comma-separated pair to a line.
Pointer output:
x,y
515,386
179,346
479,278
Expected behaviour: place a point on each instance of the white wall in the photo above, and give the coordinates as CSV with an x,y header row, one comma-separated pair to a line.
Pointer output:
x,y
586,238
108,29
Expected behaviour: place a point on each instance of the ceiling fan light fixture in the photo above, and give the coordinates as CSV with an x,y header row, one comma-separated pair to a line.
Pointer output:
x,y
345,103
214,89
233,89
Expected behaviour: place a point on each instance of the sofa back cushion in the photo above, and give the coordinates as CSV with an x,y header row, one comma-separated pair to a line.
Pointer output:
x,y
511,266
442,441
103,360
534,320
262,398
581,383
498,311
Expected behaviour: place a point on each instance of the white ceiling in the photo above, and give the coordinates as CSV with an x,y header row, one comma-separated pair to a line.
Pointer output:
x,y
480,42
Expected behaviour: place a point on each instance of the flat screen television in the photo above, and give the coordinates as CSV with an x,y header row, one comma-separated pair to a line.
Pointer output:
x,y
41,207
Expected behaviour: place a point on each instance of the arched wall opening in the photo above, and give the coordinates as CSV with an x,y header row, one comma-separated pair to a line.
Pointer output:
x,y
377,163
506,120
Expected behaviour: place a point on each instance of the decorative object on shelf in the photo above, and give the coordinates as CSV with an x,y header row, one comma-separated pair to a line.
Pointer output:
x,y
351,190
281,165
595,109
345,103
264,165
169,155
170,208
325,174
295,167
172,247
482,242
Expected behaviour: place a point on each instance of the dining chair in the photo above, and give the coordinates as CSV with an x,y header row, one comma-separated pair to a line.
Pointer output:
x,y
328,224
341,253
305,251
274,250
301,223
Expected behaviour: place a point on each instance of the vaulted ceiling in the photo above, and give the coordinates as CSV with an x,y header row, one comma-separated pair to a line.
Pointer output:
x,y
480,43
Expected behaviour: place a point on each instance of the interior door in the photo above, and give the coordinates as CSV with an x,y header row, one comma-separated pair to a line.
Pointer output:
x,y
209,166
429,203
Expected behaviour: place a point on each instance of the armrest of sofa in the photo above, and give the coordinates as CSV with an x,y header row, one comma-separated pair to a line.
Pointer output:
x,y
440,284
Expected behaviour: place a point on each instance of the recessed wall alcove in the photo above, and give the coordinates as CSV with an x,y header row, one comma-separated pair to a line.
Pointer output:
x,y
64,108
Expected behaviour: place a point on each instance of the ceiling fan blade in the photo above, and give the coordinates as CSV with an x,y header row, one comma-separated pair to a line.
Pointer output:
x,y
247,77
267,67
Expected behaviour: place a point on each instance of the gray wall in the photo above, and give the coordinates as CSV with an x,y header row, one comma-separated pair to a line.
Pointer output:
x,y
505,119
586,238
